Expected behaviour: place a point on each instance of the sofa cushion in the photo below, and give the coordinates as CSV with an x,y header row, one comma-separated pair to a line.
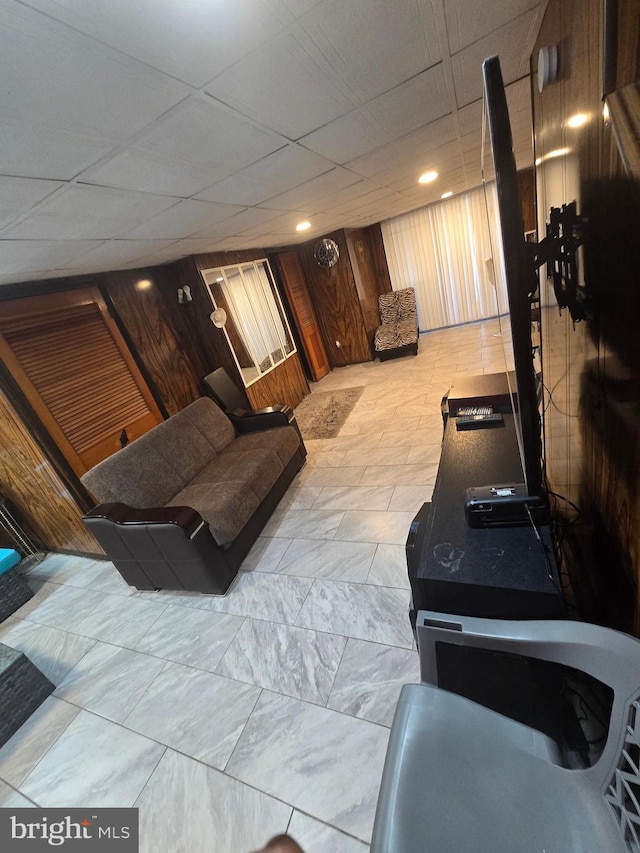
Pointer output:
x,y
186,445
393,335
388,307
284,441
153,468
398,305
258,469
226,506
138,479
210,421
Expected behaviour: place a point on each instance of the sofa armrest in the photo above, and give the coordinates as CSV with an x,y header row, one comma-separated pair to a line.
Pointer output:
x,y
265,410
258,419
183,516
161,547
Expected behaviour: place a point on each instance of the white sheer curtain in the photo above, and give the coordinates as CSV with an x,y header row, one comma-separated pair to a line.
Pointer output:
x,y
267,319
243,315
253,308
440,251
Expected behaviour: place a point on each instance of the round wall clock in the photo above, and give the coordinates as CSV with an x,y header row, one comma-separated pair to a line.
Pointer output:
x,y
326,252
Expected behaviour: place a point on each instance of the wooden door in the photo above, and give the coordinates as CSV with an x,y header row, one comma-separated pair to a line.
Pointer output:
x,y
298,295
73,365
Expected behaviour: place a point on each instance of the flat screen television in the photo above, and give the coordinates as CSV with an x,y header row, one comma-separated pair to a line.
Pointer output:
x,y
521,278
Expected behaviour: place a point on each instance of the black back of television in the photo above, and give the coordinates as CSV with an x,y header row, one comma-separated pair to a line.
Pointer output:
x,y
520,274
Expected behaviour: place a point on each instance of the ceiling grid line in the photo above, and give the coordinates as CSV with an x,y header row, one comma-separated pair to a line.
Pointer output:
x,y
125,135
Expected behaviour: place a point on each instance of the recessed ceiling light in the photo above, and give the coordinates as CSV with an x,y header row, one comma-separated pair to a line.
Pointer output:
x,y
578,120
446,195
427,177
219,278
302,226
143,284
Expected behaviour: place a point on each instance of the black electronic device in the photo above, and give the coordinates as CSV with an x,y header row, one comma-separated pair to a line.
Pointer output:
x,y
480,421
474,410
520,275
504,505
521,259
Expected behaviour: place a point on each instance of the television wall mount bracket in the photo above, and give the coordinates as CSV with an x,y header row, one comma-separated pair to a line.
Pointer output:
x,y
559,251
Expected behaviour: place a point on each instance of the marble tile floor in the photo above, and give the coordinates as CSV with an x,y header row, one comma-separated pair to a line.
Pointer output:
x,y
228,720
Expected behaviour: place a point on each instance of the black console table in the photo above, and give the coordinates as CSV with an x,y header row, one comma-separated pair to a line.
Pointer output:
x,y
503,572
499,572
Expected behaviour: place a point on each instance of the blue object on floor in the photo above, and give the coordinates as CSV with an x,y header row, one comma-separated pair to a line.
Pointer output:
x,y
8,559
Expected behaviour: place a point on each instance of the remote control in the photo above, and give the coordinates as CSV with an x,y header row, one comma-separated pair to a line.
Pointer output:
x,y
479,421
475,410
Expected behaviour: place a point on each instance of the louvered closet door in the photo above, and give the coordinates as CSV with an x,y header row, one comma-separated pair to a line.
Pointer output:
x,y
296,289
76,371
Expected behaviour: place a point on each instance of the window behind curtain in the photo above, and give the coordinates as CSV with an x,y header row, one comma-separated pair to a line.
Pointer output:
x,y
256,328
441,251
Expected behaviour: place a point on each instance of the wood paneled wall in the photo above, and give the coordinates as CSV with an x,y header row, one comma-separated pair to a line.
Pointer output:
x,y
527,190
370,277
151,318
286,383
46,508
591,369
335,299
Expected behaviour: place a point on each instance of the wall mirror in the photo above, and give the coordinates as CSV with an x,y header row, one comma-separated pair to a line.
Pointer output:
x,y
256,327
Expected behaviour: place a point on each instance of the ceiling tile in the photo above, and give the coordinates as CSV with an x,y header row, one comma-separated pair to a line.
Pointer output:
x,y
40,57
18,195
270,176
519,105
409,184
183,220
39,149
115,254
20,256
305,196
368,202
408,107
249,218
345,196
321,223
226,244
188,40
282,86
235,189
399,41
420,193
413,148
165,123
147,171
468,22
512,42
88,212
209,135
470,117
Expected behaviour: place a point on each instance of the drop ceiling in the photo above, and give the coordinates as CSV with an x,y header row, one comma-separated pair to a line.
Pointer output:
x,y
133,134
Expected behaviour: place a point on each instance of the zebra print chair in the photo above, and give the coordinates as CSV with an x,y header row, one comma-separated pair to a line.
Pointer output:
x,y
398,334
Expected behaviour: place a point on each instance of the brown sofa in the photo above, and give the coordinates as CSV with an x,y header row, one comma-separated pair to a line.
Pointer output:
x,y
182,505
